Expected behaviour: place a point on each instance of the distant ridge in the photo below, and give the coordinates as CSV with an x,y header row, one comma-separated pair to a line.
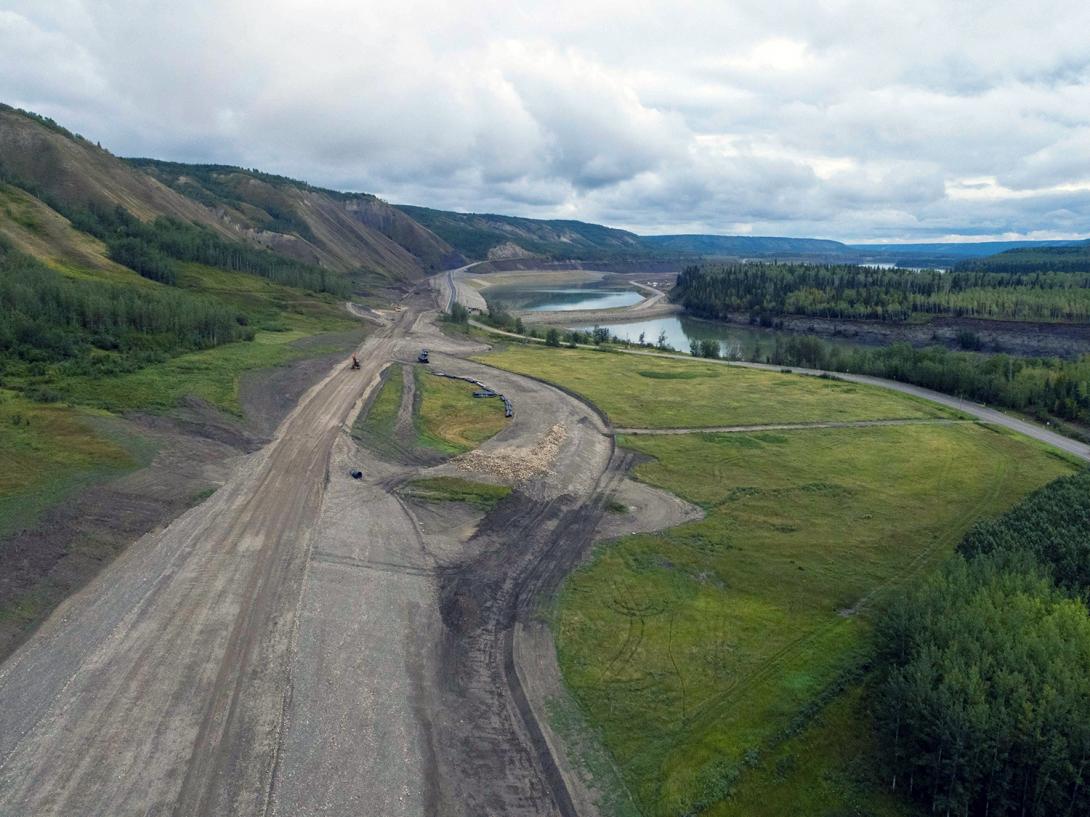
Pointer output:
x,y
734,245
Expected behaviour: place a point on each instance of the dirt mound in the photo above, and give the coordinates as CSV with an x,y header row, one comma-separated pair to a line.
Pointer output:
x,y
517,464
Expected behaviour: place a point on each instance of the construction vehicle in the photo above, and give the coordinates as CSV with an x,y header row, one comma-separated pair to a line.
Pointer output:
x,y
423,357
355,362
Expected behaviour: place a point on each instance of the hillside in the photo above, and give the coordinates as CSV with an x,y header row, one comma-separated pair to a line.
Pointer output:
x,y
1071,258
489,236
738,245
344,231
350,233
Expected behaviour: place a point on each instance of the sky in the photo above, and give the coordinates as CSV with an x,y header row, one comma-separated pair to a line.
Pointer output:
x,y
859,121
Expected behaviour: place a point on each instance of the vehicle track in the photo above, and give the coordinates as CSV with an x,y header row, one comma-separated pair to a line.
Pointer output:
x,y
159,689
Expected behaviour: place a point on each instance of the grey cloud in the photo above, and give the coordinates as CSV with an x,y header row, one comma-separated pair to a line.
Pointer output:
x,y
783,118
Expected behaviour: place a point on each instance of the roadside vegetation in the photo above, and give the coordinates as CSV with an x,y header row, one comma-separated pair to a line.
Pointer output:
x,y
650,392
1047,388
729,665
481,495
378,419
447,416
49,451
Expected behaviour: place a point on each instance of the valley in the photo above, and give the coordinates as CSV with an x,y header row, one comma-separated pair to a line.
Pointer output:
x,y
261,555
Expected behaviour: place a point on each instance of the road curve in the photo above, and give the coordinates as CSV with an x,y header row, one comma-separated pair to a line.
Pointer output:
x,y
976,410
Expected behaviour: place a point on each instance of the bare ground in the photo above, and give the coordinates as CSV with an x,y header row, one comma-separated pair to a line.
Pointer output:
x,y
305,643
195,446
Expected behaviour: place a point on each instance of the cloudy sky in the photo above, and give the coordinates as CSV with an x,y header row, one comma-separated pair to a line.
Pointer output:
x,y
851,120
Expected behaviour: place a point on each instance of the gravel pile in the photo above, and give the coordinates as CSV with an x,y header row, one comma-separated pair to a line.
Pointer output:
x,y
516,464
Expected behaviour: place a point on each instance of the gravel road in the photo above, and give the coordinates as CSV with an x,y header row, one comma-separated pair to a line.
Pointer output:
x,y
303,643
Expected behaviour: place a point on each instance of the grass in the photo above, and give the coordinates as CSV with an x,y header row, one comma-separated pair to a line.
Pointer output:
x,y
49,451
694,651
211,375
481,495
631,390
377,419
449,418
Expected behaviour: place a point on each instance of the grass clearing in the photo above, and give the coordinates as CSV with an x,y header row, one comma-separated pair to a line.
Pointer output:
x,y
695,650
211,375
449,418
49,451
376,421
481,495
629,389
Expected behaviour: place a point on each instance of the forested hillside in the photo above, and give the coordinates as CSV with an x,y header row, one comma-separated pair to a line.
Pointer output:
x,y
1026,260
853,292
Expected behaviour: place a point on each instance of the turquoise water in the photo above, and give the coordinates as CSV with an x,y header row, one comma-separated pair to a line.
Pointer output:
x,y
552,299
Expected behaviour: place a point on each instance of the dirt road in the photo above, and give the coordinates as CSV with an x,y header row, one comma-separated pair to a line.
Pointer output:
x,y
303,643
160,688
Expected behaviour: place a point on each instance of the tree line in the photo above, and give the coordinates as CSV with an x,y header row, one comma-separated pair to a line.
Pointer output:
x,y
152,249
851,292
91,325
1026,260
1043,387
984,699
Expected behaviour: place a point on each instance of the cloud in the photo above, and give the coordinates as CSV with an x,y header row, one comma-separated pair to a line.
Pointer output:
x,y
855,121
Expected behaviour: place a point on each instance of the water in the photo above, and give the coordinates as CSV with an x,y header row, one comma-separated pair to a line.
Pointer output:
x,y
552,299
737,341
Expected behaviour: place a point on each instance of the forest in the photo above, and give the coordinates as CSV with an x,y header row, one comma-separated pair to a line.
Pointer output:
x,y
1031,260
984,701
861,293
86,325
1043,387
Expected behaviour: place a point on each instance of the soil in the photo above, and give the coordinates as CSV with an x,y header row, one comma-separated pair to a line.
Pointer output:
x,y
195,446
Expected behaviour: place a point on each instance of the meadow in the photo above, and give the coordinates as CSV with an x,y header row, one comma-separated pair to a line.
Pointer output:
x,y
724,663
448,418
643,391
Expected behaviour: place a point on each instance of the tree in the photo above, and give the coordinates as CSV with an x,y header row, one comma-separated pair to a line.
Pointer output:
x,y
552,337
985,707
662,340
709,348
520,327
694,348
643,338
458,313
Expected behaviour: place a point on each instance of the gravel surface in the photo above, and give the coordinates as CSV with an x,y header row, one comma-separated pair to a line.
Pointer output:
x,y
305,643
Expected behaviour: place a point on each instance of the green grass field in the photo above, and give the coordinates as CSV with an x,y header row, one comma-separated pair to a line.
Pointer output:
x,y
377,420
697,651
48,451
646,392
449,418
481,495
